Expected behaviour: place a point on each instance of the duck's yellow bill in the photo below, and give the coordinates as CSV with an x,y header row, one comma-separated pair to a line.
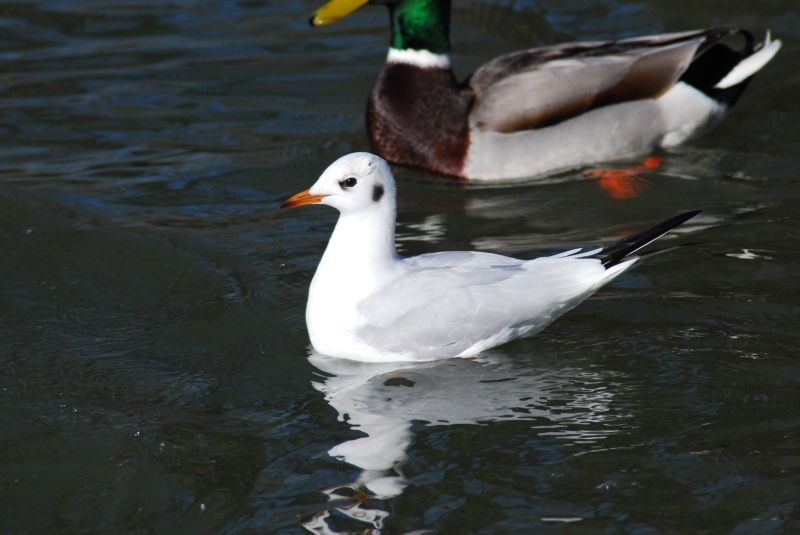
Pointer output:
x,y
335,10
299,199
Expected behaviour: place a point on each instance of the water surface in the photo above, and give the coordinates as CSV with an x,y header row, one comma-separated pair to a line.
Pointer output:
x,y
154,363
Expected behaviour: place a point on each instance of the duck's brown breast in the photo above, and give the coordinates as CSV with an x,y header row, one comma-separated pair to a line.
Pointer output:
x,y
419,117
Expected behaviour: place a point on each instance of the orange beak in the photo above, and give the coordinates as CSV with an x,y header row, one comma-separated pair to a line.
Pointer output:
x,y
299,199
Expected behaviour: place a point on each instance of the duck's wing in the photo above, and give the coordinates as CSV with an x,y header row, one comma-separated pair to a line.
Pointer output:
x,y
452,304
544,86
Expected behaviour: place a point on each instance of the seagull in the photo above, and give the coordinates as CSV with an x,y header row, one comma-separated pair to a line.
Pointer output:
x,y
370,304
538,111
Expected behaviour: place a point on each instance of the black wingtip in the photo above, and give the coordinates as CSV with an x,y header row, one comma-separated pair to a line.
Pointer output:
x,y
618,252
648,254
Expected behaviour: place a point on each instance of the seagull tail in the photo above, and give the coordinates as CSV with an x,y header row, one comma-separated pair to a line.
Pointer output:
x,y
622,250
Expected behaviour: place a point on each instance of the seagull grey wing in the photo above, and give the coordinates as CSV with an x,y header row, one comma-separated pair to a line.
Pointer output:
x,y
544,86
463,259
459,311
432,277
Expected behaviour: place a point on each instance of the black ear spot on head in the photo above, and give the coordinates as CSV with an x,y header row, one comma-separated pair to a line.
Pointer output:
x,y
377,192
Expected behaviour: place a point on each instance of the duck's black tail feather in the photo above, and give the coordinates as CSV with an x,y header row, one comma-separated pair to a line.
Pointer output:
x,y
715,60
623,249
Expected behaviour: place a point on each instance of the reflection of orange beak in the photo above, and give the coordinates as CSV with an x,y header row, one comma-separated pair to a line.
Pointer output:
x,y
299,199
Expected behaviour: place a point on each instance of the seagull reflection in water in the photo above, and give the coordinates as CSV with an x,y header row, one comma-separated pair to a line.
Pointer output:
x,y
384,400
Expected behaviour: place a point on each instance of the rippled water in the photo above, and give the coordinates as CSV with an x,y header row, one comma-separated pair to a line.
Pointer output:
x,y
154,363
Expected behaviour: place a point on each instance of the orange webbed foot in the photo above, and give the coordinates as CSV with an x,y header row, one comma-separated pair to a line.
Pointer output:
x,y
625,183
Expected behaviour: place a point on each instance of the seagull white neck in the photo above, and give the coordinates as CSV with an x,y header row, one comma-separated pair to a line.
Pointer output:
x,y
360,258
360,254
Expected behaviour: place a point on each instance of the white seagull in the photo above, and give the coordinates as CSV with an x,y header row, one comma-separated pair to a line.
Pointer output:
x,y
368,303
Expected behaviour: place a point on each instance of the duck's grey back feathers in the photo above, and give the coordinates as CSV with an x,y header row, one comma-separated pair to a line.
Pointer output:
x,y
545,86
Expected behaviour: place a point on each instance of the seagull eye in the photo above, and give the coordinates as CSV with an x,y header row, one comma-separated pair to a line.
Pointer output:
x,y
350,182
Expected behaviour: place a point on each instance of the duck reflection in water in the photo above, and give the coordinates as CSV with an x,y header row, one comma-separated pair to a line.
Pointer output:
x,y
384,400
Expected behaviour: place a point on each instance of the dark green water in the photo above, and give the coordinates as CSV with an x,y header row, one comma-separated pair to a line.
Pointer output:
x,y
154,362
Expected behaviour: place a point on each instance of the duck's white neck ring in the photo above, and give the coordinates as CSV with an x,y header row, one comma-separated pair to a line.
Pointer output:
x,y
419,58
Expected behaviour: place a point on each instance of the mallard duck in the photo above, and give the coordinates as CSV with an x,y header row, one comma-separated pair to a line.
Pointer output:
x,y
545,109
368,303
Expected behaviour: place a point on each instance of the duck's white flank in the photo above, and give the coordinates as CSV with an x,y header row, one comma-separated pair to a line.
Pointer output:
x,y
419,58
611,132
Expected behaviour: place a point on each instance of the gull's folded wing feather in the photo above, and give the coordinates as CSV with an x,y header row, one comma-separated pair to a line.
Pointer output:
x,y
451,309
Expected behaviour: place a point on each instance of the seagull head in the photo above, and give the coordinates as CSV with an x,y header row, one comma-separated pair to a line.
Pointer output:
x,y
354,183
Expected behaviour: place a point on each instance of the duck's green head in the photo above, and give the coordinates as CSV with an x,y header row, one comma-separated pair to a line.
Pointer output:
x,y
416,24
